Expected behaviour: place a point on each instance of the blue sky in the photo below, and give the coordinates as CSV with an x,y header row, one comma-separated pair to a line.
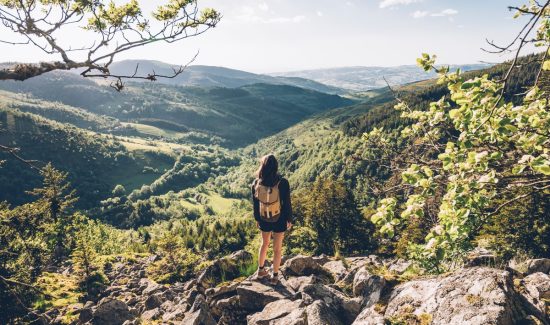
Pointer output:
x,y
281,35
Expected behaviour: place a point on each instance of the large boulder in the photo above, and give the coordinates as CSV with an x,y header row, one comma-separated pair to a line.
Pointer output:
x,y
319,313
111,312
254,296
276,310
199,314
151,314
229,311
370,316
299,282
476,295
177,312
368,286
304,266
338,269
345,307
536,292
532,266
153,301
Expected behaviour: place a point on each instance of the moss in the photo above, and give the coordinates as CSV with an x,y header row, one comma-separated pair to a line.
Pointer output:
x,y
475,300
425,319
380,308
408,318
59,291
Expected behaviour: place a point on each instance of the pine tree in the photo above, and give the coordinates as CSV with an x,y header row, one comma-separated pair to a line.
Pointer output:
x,y
85,258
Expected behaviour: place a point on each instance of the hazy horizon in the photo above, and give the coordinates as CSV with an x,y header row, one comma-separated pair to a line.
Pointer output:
x,y
275,36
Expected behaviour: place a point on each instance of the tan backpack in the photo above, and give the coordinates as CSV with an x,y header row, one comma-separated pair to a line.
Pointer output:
x,y
270,203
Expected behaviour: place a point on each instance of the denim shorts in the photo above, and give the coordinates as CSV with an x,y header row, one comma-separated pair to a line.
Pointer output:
x,y
277,226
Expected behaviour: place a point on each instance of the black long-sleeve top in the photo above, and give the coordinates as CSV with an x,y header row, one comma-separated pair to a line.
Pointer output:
x,y
284,194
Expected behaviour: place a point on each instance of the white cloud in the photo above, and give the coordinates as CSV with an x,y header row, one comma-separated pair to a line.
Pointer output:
x,y
295,19
248,15
263,6
445,13
420,14
395,3
320,13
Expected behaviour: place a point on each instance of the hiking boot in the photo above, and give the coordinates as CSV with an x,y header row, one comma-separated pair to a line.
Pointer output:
x,y
262,273
274,279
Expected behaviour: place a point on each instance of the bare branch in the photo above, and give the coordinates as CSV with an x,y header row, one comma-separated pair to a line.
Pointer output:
x,y
14,153
37,23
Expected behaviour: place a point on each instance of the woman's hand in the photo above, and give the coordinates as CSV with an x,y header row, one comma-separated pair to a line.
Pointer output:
x,y
258,224
288,225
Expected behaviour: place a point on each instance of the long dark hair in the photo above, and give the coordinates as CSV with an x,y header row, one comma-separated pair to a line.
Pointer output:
x,y
268,171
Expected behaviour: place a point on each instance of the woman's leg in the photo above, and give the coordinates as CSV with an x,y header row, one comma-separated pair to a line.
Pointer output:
x,y
266,236
277,250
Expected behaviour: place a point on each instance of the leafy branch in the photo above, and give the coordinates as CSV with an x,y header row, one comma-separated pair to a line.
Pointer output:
x,y
116,29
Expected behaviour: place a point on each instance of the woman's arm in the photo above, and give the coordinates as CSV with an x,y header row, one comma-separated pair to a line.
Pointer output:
x,y
286,204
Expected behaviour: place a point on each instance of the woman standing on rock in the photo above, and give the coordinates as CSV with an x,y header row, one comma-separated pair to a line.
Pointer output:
x,y
272,211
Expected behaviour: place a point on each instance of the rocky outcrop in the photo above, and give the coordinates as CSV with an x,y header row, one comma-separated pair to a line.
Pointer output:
x,y
478,295
320,290
111,312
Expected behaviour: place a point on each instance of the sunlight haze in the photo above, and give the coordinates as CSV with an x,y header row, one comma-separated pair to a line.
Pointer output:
x,y
283,35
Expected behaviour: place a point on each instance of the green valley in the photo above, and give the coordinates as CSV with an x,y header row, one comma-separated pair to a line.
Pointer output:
x,y
138,192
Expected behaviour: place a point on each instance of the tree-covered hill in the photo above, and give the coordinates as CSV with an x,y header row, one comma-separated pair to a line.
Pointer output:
x,y
234,116
96,163
330,144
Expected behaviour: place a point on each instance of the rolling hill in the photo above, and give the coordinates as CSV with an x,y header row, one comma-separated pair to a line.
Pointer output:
x,y
231,116
362,78
212,76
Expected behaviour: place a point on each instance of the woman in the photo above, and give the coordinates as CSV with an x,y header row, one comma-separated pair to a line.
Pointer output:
x,y
272,211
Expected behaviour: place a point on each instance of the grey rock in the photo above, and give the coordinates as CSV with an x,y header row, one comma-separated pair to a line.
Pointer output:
x,y
319,313
190,296
153,301
199,317
532,266
347,308
111,312
150,315
254,296
167,305
537,295
86,314
305,265
297,283
399,266
368,286
153,288
468,296
369,316
337,269
296,317
230,289
273,311
177,313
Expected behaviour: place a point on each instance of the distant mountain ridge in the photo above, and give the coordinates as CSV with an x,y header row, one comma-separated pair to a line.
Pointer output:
x,y
213,76
363,78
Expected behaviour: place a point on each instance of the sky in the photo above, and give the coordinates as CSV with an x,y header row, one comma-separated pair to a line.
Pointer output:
x,y
285,35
